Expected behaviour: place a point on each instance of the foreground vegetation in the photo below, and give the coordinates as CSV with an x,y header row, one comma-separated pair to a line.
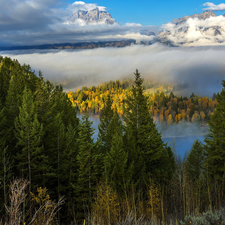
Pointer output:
x,y
128,176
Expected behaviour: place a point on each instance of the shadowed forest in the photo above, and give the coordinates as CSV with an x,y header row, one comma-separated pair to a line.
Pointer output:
x,y
52,171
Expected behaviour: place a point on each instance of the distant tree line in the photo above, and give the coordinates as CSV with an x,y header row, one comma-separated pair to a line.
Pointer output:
x,y
165,107
129,170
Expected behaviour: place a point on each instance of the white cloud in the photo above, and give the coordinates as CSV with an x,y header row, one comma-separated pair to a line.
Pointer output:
x,y
135,36
27,15
79,5
211,6
133,24
102,8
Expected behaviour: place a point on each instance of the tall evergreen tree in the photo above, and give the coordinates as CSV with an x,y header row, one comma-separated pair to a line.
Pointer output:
x,y
5,76
43,104
116,167
3,123
6,160
11,111
28,131
86,160
54,138
215,140
60,134
104,136
148,141
194,162
69,170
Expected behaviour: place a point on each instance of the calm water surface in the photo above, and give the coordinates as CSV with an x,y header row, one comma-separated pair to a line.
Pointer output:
x,y
182,144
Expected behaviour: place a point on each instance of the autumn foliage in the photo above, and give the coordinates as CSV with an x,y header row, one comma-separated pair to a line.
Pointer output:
x,y
166,108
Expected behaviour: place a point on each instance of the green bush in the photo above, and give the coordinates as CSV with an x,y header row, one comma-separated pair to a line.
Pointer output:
x,y
207,218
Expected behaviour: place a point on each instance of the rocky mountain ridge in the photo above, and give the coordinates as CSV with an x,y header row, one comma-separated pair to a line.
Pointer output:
x,y
94,16
202,16
83,45
186,32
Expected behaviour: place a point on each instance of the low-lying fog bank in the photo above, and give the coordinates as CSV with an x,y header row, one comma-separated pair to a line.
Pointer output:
x,y
202,68
182,129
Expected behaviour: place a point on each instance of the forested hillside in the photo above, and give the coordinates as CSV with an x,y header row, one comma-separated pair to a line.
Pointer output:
x,y
52,171
165,107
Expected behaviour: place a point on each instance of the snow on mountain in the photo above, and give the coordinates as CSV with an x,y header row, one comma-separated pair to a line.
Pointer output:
x,y
93,16
197,30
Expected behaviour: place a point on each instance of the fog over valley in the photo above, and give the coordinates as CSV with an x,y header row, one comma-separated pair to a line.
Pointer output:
x,y
201,68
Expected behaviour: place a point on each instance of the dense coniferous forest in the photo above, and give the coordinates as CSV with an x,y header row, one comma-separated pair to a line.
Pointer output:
x,y
52,171
166,108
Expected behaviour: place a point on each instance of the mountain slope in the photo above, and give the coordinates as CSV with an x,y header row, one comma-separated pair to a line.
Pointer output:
x,y
197,30
93,16
202,16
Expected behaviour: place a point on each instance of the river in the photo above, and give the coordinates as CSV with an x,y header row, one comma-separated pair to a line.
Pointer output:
x,y
180,136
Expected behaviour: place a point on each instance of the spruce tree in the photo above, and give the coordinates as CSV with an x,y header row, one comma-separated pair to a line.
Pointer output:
x,y
69,169
43,106
86,160
148,142
215,140
54,140
11,111
194,162
59,140
3,124
104,136
5,76
6,160
28,131
116,167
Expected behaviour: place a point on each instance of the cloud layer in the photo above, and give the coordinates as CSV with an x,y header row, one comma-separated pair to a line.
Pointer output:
x,y
211,6
18,15
36,22
79,5
201,68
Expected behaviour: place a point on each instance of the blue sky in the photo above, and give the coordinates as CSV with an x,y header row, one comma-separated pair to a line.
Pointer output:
x,y
148,12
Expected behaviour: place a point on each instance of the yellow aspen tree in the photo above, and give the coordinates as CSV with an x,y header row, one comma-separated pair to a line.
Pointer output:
x,y
89,104
170,120
195,117
70,95
167,112
161,118
188,117
209,102
183,114
176,119
179,116
205,102
202,115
